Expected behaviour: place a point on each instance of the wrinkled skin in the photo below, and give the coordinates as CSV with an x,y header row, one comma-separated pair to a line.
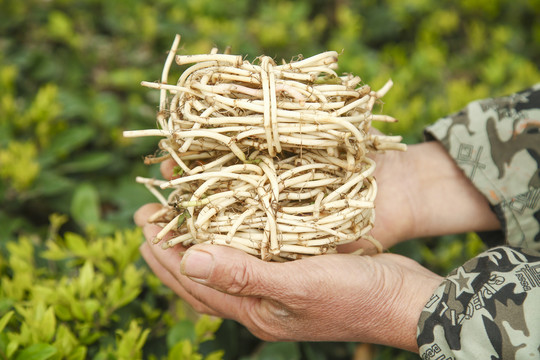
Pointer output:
x,y
341,297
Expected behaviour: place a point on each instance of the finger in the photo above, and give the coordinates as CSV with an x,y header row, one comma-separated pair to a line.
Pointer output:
x,y
222,304
234,272
144,212
150,232
171,282
167,168
366,246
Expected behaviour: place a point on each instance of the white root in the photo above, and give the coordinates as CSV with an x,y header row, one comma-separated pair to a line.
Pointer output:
x,y
273,158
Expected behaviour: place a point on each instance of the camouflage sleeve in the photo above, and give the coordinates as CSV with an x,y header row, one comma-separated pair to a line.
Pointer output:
x,y
486,309
496,142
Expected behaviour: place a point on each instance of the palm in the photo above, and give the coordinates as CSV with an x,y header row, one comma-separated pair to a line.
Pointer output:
x,y
333,297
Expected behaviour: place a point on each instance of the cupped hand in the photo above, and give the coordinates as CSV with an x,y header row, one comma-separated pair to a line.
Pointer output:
x,y
422,192
341,297
338,297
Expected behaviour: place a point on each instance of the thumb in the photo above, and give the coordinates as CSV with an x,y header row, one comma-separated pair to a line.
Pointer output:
x,y
231,271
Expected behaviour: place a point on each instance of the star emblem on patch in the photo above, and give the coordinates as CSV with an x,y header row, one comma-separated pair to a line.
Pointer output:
x,y
462,282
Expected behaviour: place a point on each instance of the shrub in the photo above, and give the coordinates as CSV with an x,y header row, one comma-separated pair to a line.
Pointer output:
x,y
72,297
69,85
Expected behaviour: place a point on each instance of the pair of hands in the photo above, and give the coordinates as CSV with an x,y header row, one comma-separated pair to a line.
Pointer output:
x,y
375,299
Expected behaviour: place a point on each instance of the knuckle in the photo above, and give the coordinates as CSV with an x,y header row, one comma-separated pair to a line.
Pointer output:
x,y
269,321
267,332
240,280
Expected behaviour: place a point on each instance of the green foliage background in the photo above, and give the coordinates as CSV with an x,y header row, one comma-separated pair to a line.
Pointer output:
x,y
72,283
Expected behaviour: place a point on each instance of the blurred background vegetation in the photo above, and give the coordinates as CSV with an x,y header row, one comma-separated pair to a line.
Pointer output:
x,y
72,283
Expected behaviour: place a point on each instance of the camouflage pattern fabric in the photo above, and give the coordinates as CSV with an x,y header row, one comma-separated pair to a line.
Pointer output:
x,y
496,142
489,308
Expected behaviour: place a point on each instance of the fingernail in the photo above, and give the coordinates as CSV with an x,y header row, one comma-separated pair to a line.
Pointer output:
x,y
197,264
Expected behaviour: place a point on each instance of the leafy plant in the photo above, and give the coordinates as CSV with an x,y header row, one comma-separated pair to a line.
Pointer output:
x,y
71,297
69,85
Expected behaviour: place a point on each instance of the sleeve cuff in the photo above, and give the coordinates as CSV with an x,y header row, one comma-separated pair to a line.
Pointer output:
x,y
496,142
485,309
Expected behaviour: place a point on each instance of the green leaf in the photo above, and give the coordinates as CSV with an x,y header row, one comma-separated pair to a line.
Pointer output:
x,y
54,251
60,26
38,351
4,341
178,171
106,267
5,304
63,312
107,109
123,78
19,164
87,162
130,342
49,183
65,341
78,354
86,276
76,243
73,104
56,221
184,350
182,330
206,327
215,355
5,319
12,348
90,307
72,138
85,206
9,224
48,325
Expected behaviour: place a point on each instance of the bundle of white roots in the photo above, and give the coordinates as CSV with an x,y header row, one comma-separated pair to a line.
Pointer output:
x,y
270,159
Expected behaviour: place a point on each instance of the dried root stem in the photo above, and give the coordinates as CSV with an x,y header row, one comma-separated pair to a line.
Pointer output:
x,y
272,157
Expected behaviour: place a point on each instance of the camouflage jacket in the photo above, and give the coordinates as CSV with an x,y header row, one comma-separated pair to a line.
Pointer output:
x,y
489,308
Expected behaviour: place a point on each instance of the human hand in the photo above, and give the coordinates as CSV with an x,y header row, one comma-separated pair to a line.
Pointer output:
x,y
336,297
340,297
422,192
